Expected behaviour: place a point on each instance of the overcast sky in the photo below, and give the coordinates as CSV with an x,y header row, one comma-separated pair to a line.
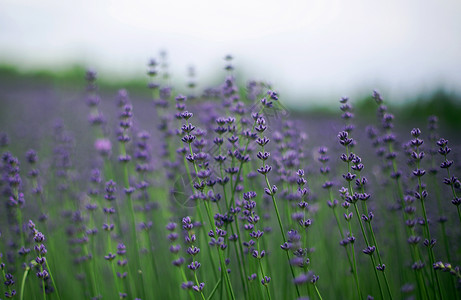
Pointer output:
x,y
308,49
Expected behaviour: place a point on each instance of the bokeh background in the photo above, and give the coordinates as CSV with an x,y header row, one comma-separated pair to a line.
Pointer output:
x,y
312,51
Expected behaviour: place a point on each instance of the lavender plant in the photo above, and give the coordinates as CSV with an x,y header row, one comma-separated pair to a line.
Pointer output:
x,y
269,204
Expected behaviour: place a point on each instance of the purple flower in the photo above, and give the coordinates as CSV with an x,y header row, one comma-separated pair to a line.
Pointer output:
x,y
199,288
194,266
265,280
369,250
103,146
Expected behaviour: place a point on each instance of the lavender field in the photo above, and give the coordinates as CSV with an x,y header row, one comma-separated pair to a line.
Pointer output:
x,y
224,192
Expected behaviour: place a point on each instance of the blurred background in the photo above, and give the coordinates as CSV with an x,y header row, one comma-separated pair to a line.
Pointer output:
x,y
313,52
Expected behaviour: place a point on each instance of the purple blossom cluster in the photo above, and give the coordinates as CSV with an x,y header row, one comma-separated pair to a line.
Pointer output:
x,y
225,194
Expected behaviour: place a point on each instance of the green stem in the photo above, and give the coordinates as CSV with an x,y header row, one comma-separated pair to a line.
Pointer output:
x,y
214,289
453,191
341,232
134,234
210,220
263,275
435,278
317,291
138,271
414,251
354,269
91,271
19,218
52,279
109,246
282,231
185,280
43,280
239,254
377,251
223,265
198,285
351,191
199,213
371,256
23,282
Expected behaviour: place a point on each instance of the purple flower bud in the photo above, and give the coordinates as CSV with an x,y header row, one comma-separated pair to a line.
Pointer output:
x,y
39,237
178,262
193,250
194,265
348,216
416,132
419,172
264,170
187,285
369,250
109,257
252,277
199,288
349,176
344,139
413,240
265,280
456,201
42,275
103,146
381,267
175,248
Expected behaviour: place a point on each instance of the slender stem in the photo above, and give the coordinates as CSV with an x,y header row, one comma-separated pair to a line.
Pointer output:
x,y
283,233
223,266
91,271
341,232
350,232
134,234
198,285
274,202
435,278
183,274
199,213
240,167
23,282
459,213
210,220
414,251
238,253
19,216
109,246
52,278
154,259
377,250
262,274
20,226
453,191
43,279
317,291
239,261
371,255
214,289
440,208
380,262
370,230
354,269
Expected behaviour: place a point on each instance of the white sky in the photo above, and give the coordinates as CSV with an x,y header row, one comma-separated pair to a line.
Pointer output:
x,y
305,48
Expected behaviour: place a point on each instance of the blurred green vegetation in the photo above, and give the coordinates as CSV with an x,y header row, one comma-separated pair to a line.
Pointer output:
x,y
442,103
68,77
